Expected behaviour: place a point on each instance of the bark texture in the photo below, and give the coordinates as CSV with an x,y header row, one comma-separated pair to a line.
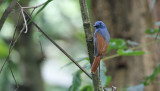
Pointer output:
x,y
89,41
128,19
29,64
30,59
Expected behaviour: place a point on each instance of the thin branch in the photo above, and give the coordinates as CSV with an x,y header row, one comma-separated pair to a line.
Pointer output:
x,y
89,40
11,45
57,45
1,2
41,48
114,88
34,6
24,18
13,76
6,13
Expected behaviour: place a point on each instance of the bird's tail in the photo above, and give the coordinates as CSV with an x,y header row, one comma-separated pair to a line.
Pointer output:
x,y
95,64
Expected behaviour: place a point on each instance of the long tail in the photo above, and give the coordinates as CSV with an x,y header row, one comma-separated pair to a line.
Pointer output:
x,y
95,64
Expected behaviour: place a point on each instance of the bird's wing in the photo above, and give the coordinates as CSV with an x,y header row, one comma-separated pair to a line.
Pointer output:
x,y
105,34
101,44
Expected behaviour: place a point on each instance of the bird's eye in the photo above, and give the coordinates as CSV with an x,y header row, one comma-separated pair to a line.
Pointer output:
x,y
100,23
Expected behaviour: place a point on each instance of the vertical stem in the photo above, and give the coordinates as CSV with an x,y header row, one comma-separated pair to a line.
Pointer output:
x,y
6,13
89,40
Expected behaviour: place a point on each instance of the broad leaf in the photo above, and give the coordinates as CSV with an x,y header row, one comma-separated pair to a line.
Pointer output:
x,y
76,83
148,80
151,31
87,88
117,44
122,52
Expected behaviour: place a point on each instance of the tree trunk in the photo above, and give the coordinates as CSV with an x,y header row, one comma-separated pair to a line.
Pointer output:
x,y
30,59
128,19
29,64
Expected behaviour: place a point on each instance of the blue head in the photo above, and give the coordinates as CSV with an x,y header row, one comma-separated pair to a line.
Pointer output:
x,y
102,30
99,24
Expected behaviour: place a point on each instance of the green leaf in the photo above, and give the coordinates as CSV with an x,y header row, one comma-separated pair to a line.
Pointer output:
x,y
89,5
117,44
4,49
108,80
151,31
87,88
4,81
157,33
40,10
130,52
148,80
76,83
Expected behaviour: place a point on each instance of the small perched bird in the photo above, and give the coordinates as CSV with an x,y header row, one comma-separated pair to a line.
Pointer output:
x,y
101,43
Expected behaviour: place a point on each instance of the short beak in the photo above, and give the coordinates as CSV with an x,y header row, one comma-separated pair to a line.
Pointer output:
x,y
94,25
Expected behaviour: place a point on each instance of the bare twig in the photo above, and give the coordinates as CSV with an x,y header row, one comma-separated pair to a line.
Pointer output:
x,y
11,45
89,40
6,13
24,18
13,76
34,6
114,88
57,45
41,48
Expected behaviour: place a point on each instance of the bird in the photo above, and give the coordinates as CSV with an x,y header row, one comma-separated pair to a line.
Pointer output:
x,y
101,44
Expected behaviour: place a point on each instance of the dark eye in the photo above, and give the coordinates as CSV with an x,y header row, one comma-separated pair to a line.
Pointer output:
x,y
100,23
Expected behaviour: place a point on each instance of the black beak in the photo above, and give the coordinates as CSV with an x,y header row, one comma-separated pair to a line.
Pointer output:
x,y
94,25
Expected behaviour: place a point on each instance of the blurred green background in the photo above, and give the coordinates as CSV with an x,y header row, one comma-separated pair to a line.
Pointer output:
x,y
39,66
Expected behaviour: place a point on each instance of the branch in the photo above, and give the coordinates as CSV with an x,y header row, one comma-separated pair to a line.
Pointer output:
x,y
53,42
12,43
1,2
35,6
6,13
24,18
89,40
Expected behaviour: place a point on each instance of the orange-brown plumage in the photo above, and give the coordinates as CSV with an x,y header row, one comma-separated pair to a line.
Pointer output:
x,y
102,47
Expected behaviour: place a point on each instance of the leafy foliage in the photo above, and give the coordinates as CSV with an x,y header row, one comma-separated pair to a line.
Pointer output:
x,y
3,49
148,80
122,52
4,81
151,31
117,44
87,88
76,83
39,10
